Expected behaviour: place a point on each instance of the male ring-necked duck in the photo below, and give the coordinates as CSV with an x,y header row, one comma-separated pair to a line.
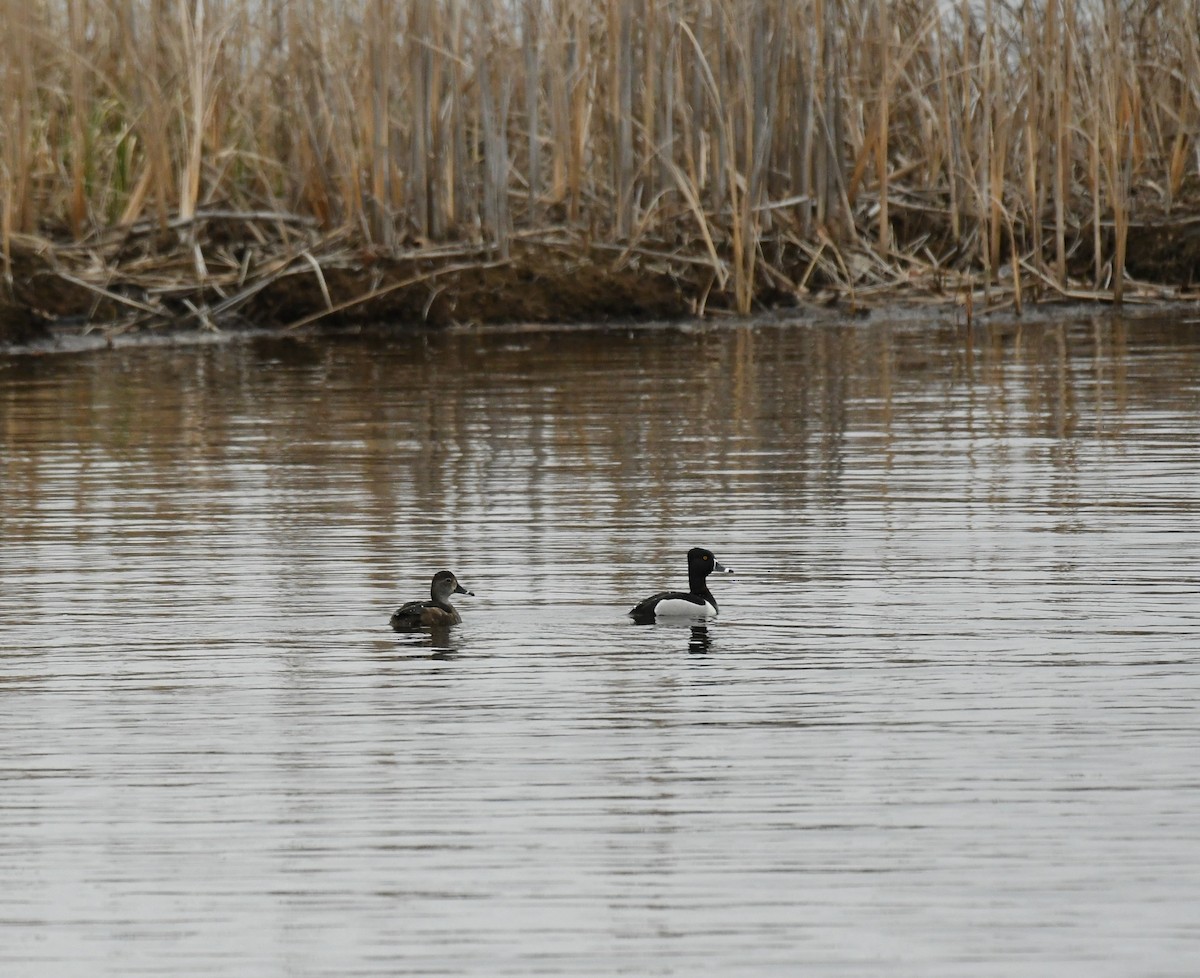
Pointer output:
x,y
698,602
439,611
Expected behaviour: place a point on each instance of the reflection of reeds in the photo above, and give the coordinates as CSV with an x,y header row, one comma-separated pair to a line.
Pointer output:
x,y
749,145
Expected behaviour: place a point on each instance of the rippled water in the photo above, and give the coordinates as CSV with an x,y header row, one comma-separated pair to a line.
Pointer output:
x,y
948,723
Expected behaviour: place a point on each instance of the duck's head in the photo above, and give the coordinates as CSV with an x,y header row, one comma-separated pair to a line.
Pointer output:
x,y
704,562
445,584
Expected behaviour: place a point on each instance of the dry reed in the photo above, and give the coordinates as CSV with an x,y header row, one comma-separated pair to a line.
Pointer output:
x,y
180,154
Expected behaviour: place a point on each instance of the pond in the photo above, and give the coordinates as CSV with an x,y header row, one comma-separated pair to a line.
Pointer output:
x,y
946,724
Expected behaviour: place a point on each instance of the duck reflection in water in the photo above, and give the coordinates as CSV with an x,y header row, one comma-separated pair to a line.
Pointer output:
x,y
700,641
433,642
440,645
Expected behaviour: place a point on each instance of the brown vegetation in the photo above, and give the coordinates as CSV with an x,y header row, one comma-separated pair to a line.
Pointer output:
x,y
196,161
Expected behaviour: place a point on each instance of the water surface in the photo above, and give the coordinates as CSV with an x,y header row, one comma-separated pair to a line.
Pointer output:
x,y
946,724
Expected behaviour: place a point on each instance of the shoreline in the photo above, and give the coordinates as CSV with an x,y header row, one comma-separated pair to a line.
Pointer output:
x,y
65,336
143,283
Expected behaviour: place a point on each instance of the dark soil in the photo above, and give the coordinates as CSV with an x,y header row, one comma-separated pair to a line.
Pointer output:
x,y
526,290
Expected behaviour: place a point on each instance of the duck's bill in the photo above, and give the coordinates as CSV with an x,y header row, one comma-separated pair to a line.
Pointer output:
x,y
459,589
721,568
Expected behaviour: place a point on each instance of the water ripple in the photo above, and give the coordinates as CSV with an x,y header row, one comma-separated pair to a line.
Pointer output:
x,y
945,725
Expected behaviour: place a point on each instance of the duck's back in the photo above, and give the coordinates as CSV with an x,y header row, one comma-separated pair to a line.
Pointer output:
x,y
408,615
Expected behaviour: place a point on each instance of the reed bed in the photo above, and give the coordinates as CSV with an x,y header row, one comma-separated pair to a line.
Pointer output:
x,y
168,158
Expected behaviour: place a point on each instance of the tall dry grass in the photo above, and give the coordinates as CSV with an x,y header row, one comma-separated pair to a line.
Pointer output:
x,y
765,144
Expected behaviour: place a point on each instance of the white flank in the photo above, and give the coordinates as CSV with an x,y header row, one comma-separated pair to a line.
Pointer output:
x,y
678,608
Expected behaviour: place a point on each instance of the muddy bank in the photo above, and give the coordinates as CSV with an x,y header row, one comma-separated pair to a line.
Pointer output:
x,y
213,277
51,294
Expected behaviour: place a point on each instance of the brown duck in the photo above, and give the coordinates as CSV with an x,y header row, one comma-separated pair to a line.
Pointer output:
x,y
439,611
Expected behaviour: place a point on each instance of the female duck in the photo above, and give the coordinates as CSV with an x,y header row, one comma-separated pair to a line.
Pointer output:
x,y
439,611
698,602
